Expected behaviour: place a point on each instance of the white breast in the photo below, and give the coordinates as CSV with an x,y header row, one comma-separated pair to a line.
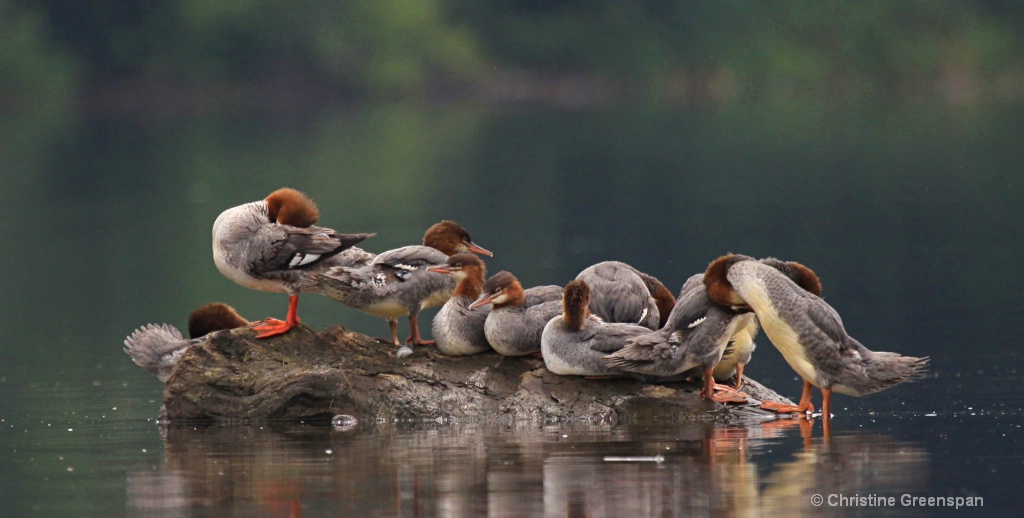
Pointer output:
x,y
785,339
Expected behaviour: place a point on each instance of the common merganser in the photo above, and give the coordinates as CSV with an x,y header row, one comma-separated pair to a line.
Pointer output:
x,y
694,337
621,293
458,329
741,348
577,342
738,352
808,332
397,282
514,326
271,244
157,347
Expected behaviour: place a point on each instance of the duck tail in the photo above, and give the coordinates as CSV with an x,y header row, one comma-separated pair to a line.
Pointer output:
x,y
889,369
156,347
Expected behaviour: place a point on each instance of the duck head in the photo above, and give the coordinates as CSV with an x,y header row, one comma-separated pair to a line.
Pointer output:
x,y
575,304
450,238
503,289
214,317
287,206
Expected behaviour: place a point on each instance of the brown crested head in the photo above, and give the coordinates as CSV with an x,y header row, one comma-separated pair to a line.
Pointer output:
x,y
287,206
213,317
470,271
720,290
504,289
575,302
450,238
798,273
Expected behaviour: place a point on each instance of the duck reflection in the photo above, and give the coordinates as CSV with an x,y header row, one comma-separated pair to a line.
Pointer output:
x,y
520,469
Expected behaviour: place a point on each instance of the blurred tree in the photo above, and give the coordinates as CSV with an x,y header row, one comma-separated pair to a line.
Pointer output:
x,y
721,50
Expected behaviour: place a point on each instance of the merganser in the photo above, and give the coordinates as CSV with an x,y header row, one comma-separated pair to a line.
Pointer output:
x,y
397,282
703,336
576,342
458,329
808,332
694,337
514,326
271,244
157,347
621,293
738,352
741,348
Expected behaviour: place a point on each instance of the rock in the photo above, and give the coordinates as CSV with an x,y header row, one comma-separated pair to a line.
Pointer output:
x,y
308,375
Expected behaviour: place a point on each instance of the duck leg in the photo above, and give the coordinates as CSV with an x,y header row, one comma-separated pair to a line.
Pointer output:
x,y
826,414
804,406
393,324
416,339
403,350
273,327
739,375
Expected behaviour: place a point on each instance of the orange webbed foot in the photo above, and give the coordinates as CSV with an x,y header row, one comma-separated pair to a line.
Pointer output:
x,y
273,327
730,396
783,408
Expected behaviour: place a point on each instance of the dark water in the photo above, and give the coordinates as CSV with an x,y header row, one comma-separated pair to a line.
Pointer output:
x,y
909,214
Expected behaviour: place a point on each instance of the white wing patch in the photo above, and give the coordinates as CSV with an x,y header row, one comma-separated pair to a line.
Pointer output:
x,y
697,322
643,316
301,259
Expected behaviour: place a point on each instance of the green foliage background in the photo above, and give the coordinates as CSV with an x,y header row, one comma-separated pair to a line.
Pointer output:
x,y
53,52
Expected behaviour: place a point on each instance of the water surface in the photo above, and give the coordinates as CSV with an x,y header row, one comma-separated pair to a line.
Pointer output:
x,y
909,214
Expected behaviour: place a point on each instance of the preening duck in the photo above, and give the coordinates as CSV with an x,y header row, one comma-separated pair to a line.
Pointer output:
x,y
807,331
577,342
271,244
694,337
621,293
157,347
397,282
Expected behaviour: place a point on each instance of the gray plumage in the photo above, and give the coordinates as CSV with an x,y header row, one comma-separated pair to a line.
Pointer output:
x,y
582,353
458,330
517,316
541,294
810,335
618,293
394,284
264,255
695,336
157,348
516,330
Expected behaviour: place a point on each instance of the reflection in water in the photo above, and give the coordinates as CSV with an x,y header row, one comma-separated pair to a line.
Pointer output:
x,y
520,469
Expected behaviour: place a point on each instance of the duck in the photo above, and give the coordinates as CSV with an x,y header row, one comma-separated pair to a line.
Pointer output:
x,y
271,244
157,347
808,332
738,352
397,283
621,293
514,325
694,336
742,346
459,329
576,342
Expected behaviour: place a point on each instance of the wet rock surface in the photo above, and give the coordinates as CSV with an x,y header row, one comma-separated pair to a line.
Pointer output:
x,y
308,375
